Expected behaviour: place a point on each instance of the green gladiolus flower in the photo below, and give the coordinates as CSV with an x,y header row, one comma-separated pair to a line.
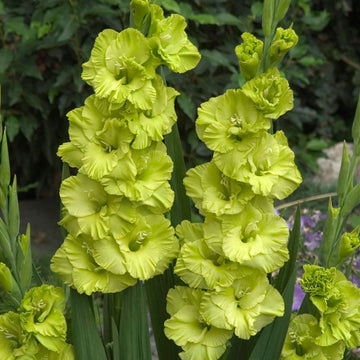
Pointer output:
x,y
269,167
251,238
225,122
300,341
201,267
15,342
142,176
249,54
284,40
245,307
67,353
169,41
41,314
270,93
338,301
151,125
320,284
99,137
144,249
188,329
215,193
349,243
75,263
88,202
121,68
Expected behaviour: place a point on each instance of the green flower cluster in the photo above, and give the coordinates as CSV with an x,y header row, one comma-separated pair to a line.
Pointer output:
x,y
225,259
337,321
38,330
113,208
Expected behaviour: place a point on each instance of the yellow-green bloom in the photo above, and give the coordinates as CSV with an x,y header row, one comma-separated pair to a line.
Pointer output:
x,y
251,238
284,40
99,137
270,93
300,342
8,283
15,343
150,125
88,202
188,329
75,263
245,307
143,249
267,165
213,192
121,68
169,42
349,243
226,121
338,302
249,54
199,266
142,177
41,314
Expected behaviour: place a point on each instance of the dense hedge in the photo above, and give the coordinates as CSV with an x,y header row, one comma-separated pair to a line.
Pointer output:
x,y
44,43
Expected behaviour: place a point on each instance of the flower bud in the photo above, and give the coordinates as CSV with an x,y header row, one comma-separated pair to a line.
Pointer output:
x,y
249,54
349,243
284,40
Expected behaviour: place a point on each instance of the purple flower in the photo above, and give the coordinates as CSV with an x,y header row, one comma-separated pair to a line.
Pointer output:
x,y
298,297
313,240
307,221
355,280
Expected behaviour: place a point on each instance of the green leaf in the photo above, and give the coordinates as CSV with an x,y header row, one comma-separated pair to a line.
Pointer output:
x,y
351,200
156,290
17,25
5,241
186,104
14,216
281,9
15,91
293,245
6,56
181,208
12,127
116,341
134,328
29,68
310,60
298,51
69,29
2,11
185,10
317,144
204,19
343,174
5,164
170,5
317,20
86,338
225,18
28,124
216,58
257,9
355,131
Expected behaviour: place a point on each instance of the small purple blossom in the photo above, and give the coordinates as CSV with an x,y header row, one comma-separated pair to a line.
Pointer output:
x,y
298,297
313,240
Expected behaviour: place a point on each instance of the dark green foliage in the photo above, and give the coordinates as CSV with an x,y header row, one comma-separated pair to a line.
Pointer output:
x,y
43,44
